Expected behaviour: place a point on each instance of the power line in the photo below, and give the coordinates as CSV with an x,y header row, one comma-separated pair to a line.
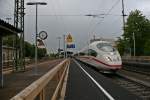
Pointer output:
x,y
74,15
105,15
78,15
63,22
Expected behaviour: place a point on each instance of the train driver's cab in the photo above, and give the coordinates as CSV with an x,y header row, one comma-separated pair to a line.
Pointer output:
x,y
106,47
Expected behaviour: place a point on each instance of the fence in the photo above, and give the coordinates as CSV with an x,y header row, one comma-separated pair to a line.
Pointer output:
x,y
37,90
136,58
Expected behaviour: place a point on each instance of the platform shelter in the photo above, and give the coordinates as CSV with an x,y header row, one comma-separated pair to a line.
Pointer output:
x,y
5,30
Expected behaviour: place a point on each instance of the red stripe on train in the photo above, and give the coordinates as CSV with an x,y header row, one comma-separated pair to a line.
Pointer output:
x,y
102,62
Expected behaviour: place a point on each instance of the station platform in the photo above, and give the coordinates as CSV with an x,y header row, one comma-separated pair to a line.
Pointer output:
x,y
17,81
87,84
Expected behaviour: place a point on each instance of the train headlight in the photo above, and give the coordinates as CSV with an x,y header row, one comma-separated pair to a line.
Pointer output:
x,y
108,58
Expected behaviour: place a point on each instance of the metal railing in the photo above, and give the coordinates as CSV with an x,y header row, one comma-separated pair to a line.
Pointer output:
x,y
37,89
136,58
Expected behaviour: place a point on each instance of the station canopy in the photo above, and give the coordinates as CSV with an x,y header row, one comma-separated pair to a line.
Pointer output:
x,y
8,29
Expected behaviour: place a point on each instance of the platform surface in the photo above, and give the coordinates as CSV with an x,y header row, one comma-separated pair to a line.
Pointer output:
x,y
15,82
81,87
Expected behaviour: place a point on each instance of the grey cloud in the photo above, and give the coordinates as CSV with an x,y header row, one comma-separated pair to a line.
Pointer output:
x,y
81,27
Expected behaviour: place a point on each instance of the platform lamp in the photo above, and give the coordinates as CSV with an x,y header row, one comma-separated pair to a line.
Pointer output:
x,y
36,28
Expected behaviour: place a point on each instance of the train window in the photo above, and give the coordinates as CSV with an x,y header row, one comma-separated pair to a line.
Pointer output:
x,y
86,52
81,53
92,52
106,47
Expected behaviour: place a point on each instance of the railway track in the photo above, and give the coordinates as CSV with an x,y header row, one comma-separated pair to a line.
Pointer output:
x,y
135,87
136,70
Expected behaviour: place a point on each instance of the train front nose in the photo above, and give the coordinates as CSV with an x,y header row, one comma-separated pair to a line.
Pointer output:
x,y
114,61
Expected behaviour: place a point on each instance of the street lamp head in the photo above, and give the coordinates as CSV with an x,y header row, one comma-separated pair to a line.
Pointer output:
x,y
91,15
36,3
8,18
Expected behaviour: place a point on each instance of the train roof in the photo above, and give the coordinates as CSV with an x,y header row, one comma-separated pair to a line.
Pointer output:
x,y
93,44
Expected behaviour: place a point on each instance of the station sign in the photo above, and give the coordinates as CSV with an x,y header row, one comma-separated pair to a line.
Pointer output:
x,y
70,45
69,38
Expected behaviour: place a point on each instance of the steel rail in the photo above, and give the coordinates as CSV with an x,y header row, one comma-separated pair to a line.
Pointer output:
x,y
136,70
134,86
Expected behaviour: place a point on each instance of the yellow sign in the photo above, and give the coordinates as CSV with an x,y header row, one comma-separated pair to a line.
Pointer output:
x,y
69,38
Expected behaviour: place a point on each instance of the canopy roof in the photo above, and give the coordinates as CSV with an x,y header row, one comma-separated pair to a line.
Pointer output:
x,y
8,29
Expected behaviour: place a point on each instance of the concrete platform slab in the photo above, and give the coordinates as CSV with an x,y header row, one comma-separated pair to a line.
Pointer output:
x,y
81,87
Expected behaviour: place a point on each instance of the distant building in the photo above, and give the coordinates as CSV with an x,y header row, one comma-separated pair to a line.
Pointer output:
x,y
5,30
8,55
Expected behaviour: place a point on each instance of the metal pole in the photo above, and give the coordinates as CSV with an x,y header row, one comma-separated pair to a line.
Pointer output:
x,y
59,46
88,47
66,52
134,42
36,28
64,47
123,15
1,62
59,43
36,41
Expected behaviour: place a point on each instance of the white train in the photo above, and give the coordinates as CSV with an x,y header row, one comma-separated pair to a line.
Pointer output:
x,y
101,55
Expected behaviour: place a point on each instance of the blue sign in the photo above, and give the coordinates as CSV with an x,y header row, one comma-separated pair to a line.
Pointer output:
x,y
70,45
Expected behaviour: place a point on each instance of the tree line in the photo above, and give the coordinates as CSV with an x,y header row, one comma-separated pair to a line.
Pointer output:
x,y
138,27
29,48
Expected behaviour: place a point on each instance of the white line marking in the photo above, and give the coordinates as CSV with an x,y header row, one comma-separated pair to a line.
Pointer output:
x,y
99,86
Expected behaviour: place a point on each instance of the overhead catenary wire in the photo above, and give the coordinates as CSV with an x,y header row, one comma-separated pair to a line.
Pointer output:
x,y
53,6
105,15
9,7
62,17
112,23
90,24
64,28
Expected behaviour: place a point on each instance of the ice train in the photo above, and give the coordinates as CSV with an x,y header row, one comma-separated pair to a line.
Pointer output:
x,y
101,55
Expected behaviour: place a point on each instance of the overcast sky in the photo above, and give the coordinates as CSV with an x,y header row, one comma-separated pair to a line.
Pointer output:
x,y
61,17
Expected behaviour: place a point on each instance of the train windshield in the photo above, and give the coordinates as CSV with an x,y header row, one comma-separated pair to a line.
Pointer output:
x,y
105,47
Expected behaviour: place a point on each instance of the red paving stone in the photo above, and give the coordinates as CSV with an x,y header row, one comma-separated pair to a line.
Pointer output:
x,y
15,82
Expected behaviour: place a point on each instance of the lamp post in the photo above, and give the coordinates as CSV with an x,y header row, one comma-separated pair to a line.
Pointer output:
x,y
36,28
134,42
59,38
64,46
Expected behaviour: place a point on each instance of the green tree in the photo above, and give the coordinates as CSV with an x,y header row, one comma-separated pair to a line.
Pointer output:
x,y
138,24
121,46
28,47
29,50
147,48
9,40
42,52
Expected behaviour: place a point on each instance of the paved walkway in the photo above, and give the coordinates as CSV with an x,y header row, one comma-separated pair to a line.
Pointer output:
x,y
15,82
